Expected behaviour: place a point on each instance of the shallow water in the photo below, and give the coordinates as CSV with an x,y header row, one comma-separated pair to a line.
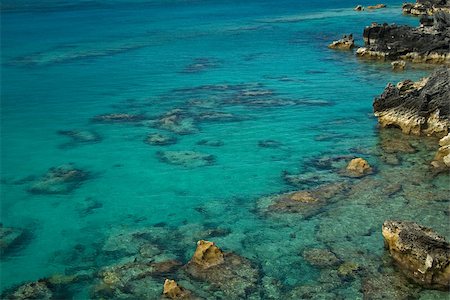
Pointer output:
x,y
286,102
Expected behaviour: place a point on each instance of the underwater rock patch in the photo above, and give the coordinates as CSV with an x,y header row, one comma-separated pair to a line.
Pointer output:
x,y
159,139
79,137
60,180
188,159
200,65
178,121
211,143
9,237
119,118
421,107
269,144
233,275
32,290
321,257
420,253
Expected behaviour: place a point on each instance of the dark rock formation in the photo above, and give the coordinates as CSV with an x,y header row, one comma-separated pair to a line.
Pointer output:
x,y
425,44
426,7
421,107
421,254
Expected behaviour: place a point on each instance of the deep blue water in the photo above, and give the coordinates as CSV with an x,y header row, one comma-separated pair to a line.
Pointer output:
x,y
64,63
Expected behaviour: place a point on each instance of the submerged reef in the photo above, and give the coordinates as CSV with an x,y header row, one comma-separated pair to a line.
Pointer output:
x,y
429,43
421,254
60,180
118,118
80,137
9,238
159,139
188,159
421,107
426,7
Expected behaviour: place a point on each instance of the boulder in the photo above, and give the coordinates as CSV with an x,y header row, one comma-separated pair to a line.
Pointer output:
x,y
207,255
398,65
421,107
346,43
422,254
424,44
358,167
173,290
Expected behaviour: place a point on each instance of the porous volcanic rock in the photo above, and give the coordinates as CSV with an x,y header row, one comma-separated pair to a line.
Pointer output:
x,y
421,107
424,44
421,254
426,7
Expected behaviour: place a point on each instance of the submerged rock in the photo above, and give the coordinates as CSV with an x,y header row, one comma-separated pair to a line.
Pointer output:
x,y
119,118
9,237
178,121
421,45
33,290
211,143
188,159
269,144
346,43
421,254
442,158
80,137
172,290
421,107
201,65
233,275
321,257
59,180
358,167
159,139
426,7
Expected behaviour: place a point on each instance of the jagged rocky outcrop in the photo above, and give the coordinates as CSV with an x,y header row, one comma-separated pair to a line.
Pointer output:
x,y
346,43
421,254
421,107
426,7
172,290
441,160
424,44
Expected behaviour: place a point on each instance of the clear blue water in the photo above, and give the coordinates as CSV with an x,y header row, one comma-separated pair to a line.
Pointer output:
x,y
64,63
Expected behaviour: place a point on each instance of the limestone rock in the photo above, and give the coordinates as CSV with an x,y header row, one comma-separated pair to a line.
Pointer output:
x,y
424,44
426,7
398,65
377,6
442,158
358,167
346,43
421,254
174,291
421,107
207,255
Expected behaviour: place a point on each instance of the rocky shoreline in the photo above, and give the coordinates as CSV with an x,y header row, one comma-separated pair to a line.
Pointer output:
x,y
426,7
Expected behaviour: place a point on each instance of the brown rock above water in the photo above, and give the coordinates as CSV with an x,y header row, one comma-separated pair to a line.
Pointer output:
x,y
358,167
207,255
377,6
173,290
346,43
420,253
442,158
426,7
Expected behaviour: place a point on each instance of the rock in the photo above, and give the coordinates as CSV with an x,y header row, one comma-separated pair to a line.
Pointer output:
x,y
388,285
348,269
377,6
201,64
118,118
442,157
359,8
346,43
178,121
174,291
420,253
358,167
187,159
269,144
9,237
207,255
305,202
419,45
421,107
211,143
80,137
158,139
33,290
59,180
321,257
426,7
398,65
231,274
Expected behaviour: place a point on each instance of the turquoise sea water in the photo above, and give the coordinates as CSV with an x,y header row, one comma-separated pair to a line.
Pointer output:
x,y
65,63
